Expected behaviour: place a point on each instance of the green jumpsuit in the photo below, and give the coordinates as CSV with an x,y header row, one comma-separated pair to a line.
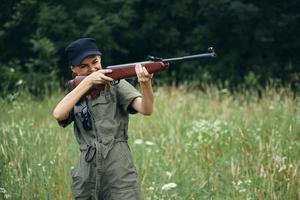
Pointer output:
x,y
105,170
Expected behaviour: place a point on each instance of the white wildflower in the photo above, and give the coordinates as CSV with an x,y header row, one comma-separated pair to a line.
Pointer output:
x,y
206,131
150,188
3,190
12,70
150,143
39,164
138,141
169,174
279,159
242,190
248,182
239,182
189,134
224,91
169,186
263,172
283,167
20,82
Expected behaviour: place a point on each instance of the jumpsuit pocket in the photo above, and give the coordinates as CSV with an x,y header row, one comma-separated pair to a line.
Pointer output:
x,y
102,106
101,99
83,179
126,153
126,184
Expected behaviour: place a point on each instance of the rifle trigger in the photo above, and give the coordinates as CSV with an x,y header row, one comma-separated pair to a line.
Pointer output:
x,y
115,82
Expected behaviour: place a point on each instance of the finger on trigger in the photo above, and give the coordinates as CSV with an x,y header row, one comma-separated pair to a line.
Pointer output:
x,y
107,78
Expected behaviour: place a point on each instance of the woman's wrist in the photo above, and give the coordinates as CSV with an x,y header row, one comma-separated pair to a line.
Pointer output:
x,y
146,79
145,82
87,83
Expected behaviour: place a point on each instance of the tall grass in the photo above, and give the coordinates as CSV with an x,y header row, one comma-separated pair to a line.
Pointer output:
x,y
196,145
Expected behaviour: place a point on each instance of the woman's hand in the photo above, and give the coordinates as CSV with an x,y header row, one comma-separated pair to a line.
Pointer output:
x,y
99,77
142,73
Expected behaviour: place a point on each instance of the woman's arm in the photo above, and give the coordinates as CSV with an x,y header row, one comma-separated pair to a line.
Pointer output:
x,y
64,107
144,104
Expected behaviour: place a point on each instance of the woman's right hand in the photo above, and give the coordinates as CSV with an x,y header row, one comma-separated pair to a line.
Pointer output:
x,y
99,77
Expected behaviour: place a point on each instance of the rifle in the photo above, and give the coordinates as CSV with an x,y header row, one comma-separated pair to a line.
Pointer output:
x,y
153,64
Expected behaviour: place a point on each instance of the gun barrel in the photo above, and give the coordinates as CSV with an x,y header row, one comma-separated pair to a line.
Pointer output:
x,y
192,57
211,54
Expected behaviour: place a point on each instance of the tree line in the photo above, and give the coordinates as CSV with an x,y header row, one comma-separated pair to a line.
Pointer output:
x,y
256,41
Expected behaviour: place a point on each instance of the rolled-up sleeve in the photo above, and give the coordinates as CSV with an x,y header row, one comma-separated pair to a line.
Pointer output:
x,y
126,94
64,123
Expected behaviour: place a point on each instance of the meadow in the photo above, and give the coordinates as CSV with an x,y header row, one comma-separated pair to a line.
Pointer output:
x,y
197,145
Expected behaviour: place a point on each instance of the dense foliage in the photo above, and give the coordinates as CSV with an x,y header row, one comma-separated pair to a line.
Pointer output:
x,y
256,41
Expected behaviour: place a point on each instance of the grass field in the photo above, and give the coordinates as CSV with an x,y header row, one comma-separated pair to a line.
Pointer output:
x,y
196,145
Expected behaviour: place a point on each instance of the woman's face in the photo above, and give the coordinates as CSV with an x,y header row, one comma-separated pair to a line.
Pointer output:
x,y
89,65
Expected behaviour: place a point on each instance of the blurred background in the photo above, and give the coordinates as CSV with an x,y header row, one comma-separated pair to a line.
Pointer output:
x,y
257,42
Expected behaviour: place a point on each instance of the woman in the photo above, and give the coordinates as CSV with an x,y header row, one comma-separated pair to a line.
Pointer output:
x,y
105,169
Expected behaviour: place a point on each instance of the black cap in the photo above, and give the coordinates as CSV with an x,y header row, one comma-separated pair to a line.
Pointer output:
x,y
80,49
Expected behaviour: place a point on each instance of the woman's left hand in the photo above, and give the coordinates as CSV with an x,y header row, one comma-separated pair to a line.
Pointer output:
x,y
142,73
